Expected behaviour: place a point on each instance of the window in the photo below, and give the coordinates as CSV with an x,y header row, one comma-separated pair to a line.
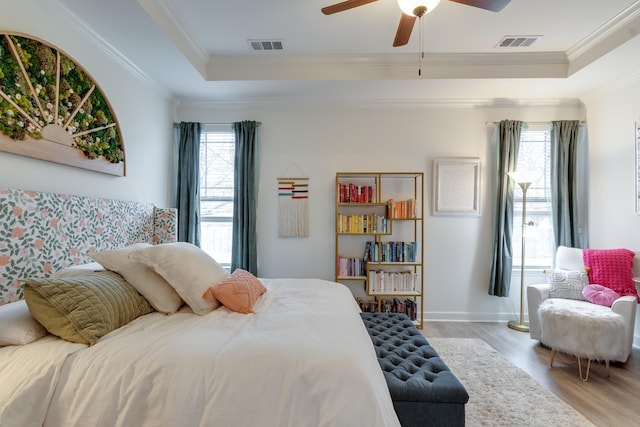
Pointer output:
x,y
534,155
217,151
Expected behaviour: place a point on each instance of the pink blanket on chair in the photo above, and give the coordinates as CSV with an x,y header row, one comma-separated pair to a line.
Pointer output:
x,y
612,268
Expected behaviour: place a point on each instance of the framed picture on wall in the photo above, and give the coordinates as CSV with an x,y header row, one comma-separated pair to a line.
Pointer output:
x,y
637,169
456,186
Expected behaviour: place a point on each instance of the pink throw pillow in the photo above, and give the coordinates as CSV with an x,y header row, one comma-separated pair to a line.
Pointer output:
x,y
599,294
612,268
238,292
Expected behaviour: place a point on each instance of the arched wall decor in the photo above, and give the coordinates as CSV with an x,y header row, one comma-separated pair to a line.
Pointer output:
x,y
52,109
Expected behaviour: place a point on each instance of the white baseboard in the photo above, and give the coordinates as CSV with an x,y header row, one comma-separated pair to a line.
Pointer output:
x,y
449,316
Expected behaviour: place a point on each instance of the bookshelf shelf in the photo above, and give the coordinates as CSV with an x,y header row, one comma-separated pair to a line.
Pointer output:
x,y
392,259
365,234
363,204
395,294
374,263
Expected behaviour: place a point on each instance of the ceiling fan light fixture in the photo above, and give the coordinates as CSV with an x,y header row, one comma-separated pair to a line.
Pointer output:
x,y
417,7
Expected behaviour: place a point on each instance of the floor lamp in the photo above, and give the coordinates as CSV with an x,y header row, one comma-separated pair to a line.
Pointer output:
x,y
523,179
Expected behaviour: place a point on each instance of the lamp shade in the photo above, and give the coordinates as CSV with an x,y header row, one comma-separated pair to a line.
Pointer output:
x,y
523,177
408,7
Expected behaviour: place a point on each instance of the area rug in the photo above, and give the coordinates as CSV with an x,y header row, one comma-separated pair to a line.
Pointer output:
x,y
500,393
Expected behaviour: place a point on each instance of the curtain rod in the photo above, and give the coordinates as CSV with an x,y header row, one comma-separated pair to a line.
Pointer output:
x,y
534,123
229,124
257,123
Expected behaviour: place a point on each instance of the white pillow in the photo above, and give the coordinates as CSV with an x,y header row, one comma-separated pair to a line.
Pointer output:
x,y
567,283
17,326
187,268
150,284
78,270
569,258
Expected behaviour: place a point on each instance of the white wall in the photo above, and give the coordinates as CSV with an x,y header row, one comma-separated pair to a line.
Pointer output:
x,y
323,140
144,115
613,221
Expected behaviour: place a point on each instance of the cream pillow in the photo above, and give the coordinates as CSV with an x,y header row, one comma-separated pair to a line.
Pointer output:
x,y
150,284
187,268
17,325
78,270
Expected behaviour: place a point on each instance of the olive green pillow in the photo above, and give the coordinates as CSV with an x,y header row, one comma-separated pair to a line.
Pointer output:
x,y
84,308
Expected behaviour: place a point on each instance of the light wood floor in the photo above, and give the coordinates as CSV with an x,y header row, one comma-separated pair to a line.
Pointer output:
x,y
613,401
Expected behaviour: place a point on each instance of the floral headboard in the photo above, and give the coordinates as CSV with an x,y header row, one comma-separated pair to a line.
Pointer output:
x,y
41,233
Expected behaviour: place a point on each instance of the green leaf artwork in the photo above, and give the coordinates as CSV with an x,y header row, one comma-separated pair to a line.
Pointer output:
x,y
44,95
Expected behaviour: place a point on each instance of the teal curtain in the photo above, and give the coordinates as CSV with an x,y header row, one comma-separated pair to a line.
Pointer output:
x,y
188,181
506,155
569,183
244,245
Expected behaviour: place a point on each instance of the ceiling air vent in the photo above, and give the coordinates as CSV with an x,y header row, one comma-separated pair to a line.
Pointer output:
x,y
266,45
517,41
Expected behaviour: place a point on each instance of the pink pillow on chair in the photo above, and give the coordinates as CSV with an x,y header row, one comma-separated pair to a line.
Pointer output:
x,y
599,294
612,268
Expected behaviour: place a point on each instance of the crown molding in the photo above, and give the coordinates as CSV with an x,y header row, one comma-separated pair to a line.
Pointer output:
x,y
609,36
400,66
376,103
605,32
393,59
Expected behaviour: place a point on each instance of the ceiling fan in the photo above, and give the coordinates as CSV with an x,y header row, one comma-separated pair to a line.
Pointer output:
x,y
412,9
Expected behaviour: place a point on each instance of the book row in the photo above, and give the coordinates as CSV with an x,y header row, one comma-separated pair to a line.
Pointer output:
x,y
395,305
368,223
390,251
401,209
356,267
352,193
381,282
351,267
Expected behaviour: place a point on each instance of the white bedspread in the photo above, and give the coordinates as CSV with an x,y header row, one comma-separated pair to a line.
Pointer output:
x,y
303,359
28,376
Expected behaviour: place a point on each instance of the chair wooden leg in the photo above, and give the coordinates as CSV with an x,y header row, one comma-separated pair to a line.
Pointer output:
x,y
553,355
586,376
606,362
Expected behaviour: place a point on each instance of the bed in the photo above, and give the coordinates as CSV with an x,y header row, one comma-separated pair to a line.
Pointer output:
x,y
299,355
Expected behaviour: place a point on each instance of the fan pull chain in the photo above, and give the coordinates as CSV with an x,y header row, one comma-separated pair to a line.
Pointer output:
x,y
421,53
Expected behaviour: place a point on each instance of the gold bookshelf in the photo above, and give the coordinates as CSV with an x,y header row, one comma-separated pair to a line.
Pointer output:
x,y
399,197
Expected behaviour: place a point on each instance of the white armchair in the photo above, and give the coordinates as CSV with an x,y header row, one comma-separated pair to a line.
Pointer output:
x,y
582,340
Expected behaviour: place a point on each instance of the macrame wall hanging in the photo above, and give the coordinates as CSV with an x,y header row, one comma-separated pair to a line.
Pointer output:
x,y
51,109
293,206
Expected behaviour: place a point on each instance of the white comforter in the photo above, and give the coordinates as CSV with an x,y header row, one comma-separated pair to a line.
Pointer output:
x,y
303,359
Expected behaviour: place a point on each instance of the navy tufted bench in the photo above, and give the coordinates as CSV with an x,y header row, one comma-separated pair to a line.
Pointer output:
x,y
423,389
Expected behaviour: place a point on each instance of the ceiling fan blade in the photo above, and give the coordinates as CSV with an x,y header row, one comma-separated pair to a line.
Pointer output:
x,y
404,30
492,5
345,5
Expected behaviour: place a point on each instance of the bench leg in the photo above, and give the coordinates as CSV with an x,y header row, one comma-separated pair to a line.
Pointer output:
x,y
586,377
553,355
